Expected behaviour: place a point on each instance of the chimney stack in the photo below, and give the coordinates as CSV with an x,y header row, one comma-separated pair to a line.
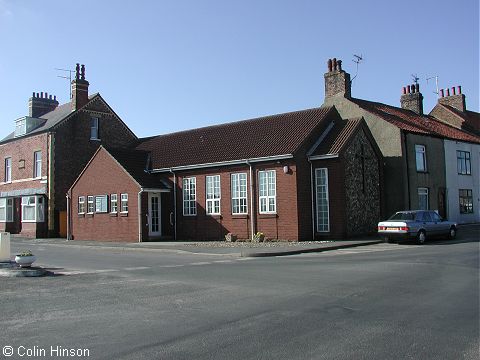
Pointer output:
x,y
79,88
337,81
39,105
454,99
412,99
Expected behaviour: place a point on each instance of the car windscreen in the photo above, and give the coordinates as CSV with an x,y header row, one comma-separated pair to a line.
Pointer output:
x,y
403,216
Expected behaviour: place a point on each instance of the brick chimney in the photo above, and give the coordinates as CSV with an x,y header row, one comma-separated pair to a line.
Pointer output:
x,y
455,99
40,104
412,98
337,81
79,88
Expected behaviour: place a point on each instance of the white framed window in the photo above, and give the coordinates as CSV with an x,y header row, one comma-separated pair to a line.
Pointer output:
x,y
422,198
90,205
213,194
81,204
6,209
33,208
37,164
420,158
239,193
464,165
8,170
113,203
101,203
190,196
124,203
267,192
322,200
94,121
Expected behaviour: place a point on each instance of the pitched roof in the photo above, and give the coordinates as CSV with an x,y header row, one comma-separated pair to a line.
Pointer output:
x,y
52,119
261,137
471,118
338,137
419,124
135,162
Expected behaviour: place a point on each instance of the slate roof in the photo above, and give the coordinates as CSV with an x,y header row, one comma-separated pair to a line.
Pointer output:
x,y
261,137
135,163
338,137
52,119
419,124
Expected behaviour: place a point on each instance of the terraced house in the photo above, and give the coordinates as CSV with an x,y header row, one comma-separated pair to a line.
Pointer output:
x,y
44,154
431,161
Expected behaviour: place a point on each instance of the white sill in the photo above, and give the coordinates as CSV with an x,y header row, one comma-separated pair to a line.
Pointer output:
x,y
95,139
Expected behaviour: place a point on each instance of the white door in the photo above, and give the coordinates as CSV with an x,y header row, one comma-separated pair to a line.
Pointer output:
x,y
154,214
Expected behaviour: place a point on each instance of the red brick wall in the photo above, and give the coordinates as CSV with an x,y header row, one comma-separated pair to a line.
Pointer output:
x,y
21,151
105,176
336,193
282,225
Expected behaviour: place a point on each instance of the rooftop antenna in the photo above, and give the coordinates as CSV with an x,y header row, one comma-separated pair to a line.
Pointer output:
x,y
69,77
415,78
357,59
436,83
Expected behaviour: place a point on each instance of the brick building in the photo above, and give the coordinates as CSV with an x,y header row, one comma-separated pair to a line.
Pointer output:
x,y
412,143
295,176
46,152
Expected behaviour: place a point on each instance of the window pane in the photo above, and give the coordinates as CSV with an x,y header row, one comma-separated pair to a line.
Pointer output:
x,y
321,179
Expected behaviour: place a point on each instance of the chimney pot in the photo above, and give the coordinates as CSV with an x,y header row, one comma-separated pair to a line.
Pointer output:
x,y
442,93
334,63
77,71
46,95
453,90
330,65
404,90
339,62
41,94
448,92
408,89
459,90
33,94
83,72
417,87
55,97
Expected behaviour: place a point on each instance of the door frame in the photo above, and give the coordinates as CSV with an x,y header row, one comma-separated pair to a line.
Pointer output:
x,y
159,213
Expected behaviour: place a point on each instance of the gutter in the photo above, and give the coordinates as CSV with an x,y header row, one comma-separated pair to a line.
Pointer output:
x,y
139,211
223,163
323,157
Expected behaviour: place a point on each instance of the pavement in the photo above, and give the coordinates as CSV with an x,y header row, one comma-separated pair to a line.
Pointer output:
x,y
241,249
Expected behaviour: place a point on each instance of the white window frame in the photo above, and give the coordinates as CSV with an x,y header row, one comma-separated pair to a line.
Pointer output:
x,y
267,192
8,170
189,190
37,164
101,204
124,203
423,192
213,194
81,205
7,205
113,203
38,205
464,162
421,150
239,193
322,198
94,126
90,204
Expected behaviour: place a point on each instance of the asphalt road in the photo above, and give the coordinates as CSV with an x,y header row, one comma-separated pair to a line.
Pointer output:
x,y
382,301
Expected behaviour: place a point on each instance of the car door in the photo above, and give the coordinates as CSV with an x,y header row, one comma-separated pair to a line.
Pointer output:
x,y
428,223
440,226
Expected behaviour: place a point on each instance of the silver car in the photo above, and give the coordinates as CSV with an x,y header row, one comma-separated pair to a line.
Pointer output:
x,y
416,224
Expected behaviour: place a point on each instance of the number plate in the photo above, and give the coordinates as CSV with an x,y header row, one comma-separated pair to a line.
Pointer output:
x,y
392,228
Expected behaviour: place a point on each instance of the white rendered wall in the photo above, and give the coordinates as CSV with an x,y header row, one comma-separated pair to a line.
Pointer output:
x,y
456,181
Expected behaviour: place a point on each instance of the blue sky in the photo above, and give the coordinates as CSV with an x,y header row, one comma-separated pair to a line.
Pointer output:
x,y
166,66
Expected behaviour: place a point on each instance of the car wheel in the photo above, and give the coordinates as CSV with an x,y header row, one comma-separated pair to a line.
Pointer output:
x,y
452,233
421,237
